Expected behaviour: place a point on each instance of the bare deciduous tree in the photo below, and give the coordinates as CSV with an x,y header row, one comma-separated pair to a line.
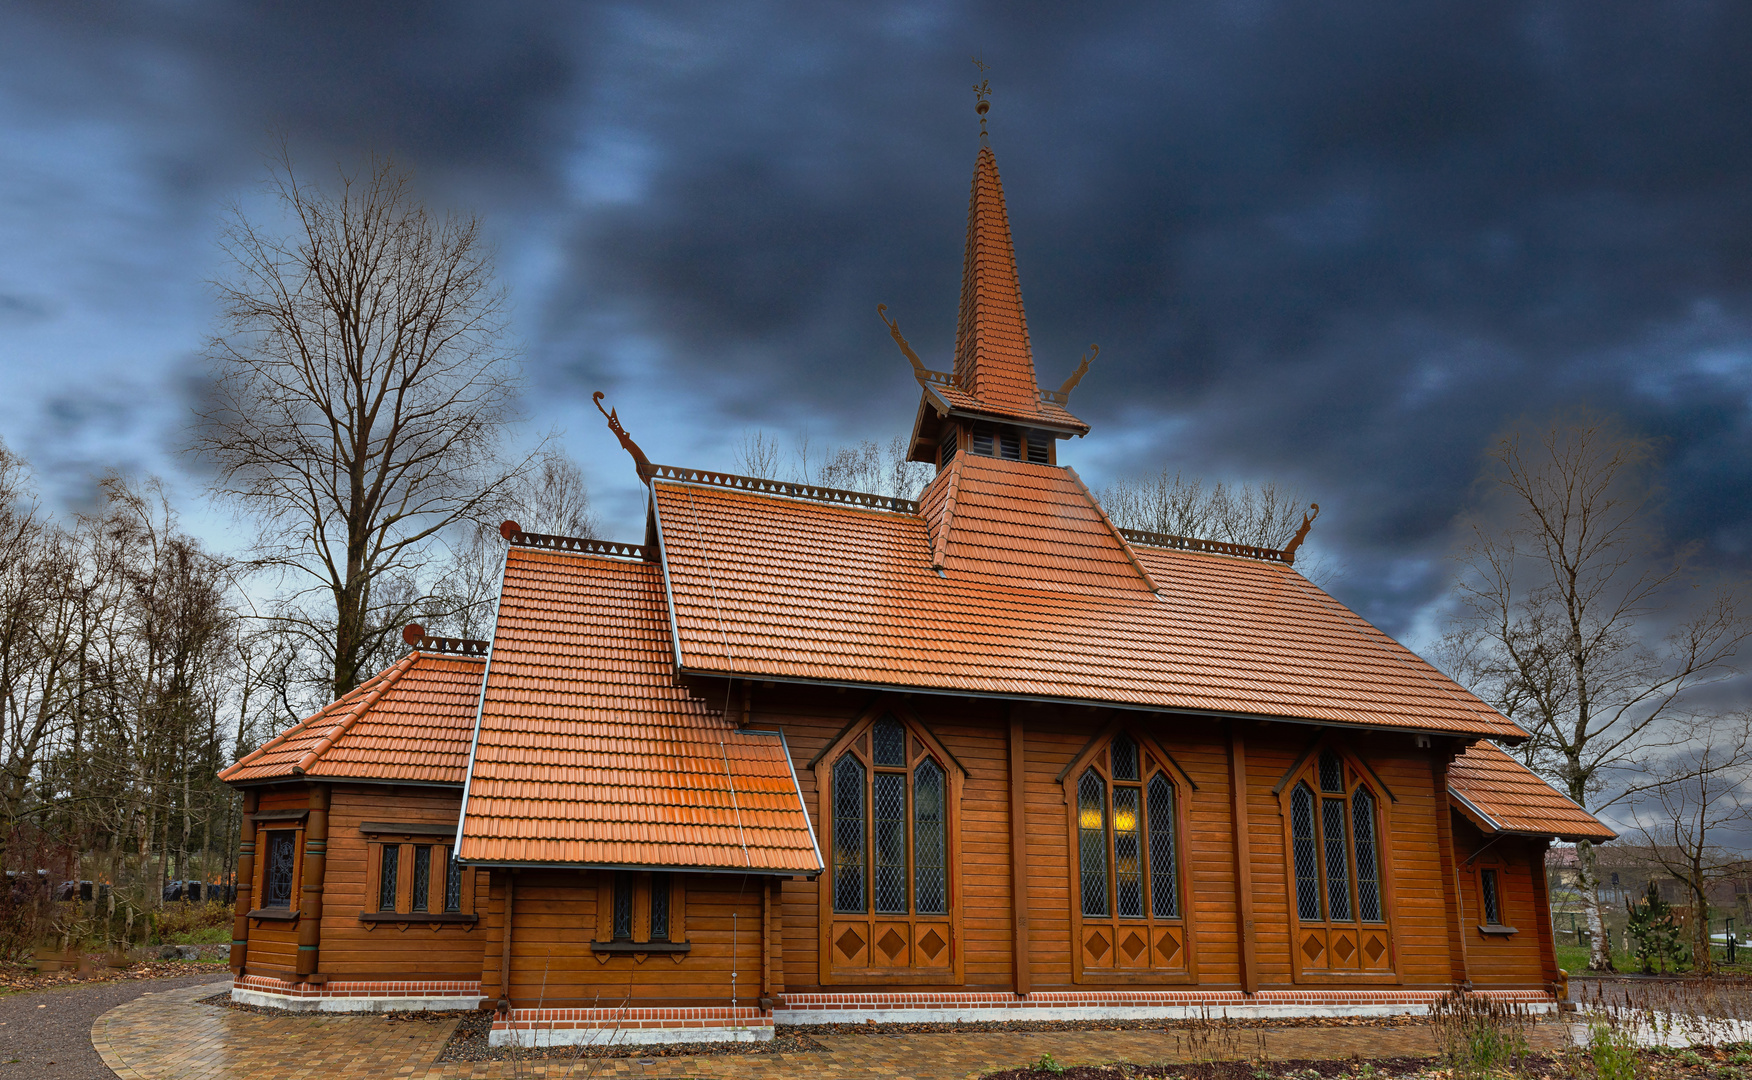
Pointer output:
x,y
880,469
1563,581
1266,515
1686,805
361,387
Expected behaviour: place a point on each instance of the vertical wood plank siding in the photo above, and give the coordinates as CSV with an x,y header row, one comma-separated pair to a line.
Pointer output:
x,y
757,937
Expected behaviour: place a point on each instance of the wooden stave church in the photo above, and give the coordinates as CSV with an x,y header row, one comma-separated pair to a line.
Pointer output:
x,y
1093,772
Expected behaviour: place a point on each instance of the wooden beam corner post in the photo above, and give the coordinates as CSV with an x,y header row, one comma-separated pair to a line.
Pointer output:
x,y
1243,860
1442,752
310,903
245,881
1536,850
1021,979
505,942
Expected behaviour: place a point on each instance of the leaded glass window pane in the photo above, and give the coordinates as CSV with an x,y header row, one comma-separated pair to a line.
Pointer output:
x,y
1493,915
1164,883
1331,772
1368,873
888,742
1307,862
1338,907
930,845
890,799
422,878
386,882
659,907
277,875
453,884
1125,758
623,907
848,835
1128,863
1092,841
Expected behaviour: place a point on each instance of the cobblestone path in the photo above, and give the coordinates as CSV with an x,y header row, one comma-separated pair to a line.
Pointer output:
x,y
169,1035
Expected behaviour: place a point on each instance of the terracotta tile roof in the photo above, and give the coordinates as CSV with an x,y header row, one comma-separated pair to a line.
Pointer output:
x,y
411,722
1500,794
591,753
1036,597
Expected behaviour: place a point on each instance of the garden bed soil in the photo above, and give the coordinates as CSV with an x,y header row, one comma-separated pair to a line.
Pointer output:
x,y
21,978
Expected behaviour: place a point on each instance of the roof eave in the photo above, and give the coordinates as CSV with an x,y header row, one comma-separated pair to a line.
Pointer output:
x,y
1216,714
682,868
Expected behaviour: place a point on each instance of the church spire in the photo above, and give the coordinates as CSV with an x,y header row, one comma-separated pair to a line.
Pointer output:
x,y
993,358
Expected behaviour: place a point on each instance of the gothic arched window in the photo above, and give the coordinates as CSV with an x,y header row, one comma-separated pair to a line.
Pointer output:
x,y
890,797
1127,892
1334,824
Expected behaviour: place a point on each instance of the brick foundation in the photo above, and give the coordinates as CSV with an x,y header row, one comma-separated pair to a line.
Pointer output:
x,y
949,1007
354,996
570,1027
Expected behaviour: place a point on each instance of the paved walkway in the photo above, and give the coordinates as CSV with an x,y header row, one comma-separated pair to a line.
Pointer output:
x,y
170,1035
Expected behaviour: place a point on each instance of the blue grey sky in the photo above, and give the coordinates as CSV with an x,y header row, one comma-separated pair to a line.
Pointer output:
x,y
1337,245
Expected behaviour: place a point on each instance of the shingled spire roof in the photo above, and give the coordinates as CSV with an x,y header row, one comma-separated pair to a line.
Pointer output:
x,y
994,359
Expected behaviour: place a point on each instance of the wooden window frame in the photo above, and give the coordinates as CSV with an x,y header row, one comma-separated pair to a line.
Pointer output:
x,y
605,946
1153,760
404,916
1353,934
871,926
264,830
1500,927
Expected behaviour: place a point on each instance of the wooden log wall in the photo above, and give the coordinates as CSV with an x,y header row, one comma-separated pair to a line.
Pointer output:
x,y
355,950
555,920
273,943
1525,959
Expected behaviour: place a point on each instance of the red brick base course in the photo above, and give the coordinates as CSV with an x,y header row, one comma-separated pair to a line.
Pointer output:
x,y
354,996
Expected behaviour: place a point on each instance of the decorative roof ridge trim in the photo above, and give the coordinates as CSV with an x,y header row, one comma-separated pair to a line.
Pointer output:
x,y
474,743
1399,653
1208,547
1131,556
583,545
784,488
357,710
940,542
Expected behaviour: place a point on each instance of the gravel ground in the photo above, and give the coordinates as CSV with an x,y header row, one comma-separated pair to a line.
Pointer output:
x,y
47,1033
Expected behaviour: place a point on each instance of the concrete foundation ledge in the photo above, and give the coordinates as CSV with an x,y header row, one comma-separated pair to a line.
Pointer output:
x,y
947,1008
354,997
574,1027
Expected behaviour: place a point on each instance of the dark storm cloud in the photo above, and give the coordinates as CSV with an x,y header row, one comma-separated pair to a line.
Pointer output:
x,y
1342,243
1339,244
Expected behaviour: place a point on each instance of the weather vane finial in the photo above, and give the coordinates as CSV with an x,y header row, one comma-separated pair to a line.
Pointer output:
x,y
983,91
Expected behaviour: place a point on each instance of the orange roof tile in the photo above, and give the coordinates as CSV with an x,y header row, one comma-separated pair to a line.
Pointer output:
x,y
411,723
589,751
1037,596
1500,794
